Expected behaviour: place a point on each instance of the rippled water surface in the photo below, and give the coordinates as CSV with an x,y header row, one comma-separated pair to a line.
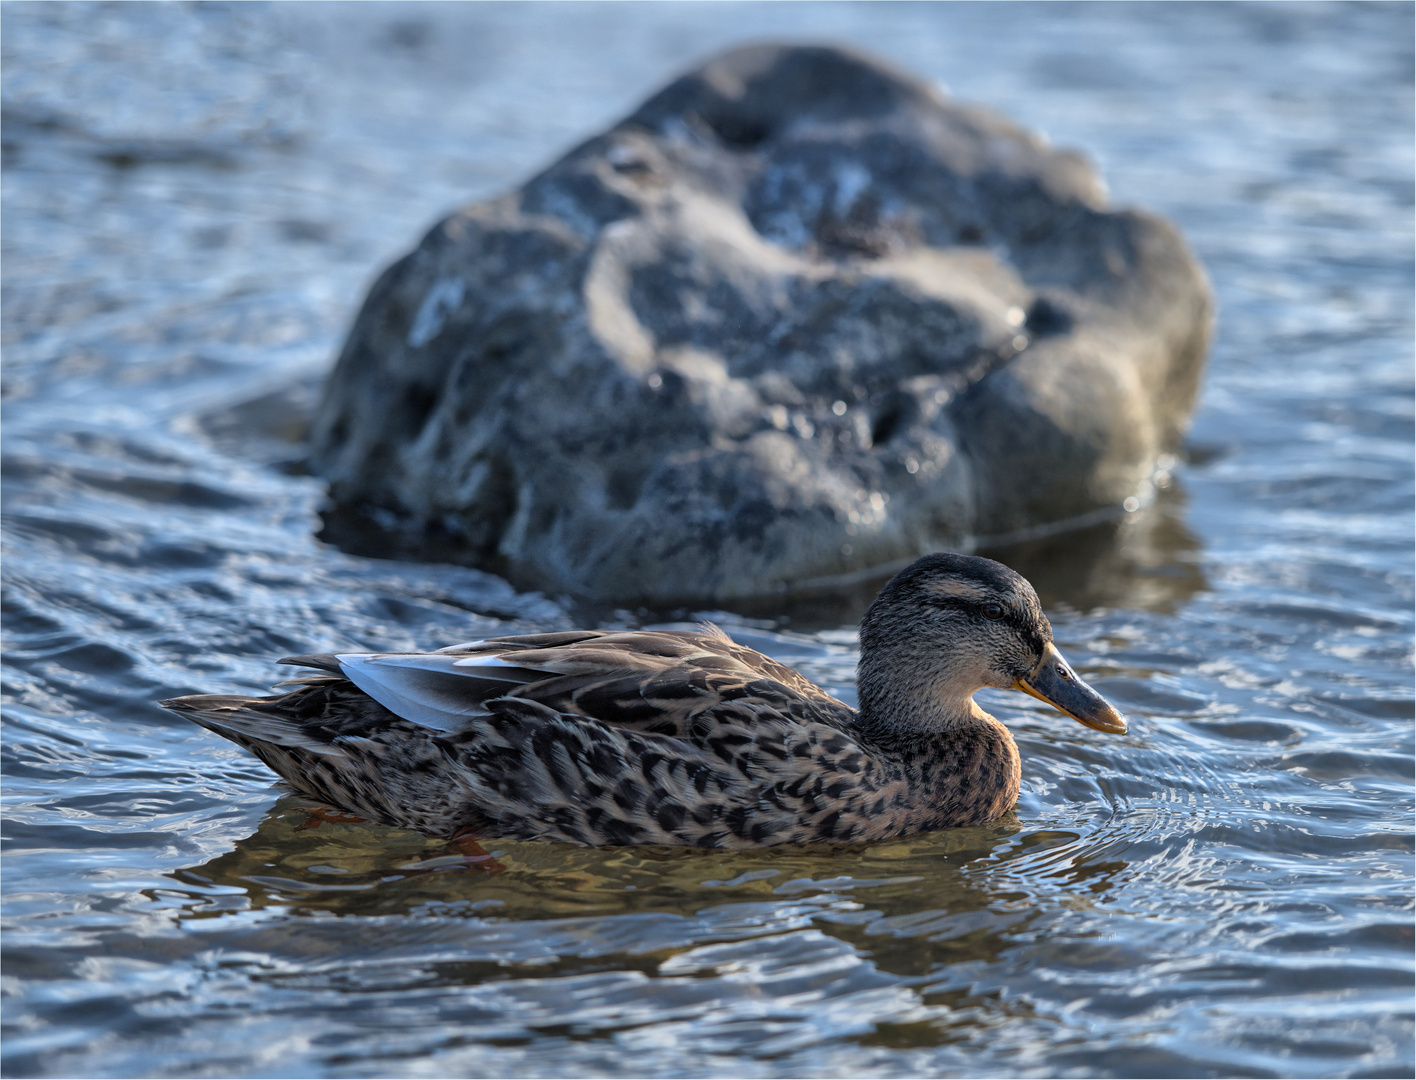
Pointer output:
x,y
194,200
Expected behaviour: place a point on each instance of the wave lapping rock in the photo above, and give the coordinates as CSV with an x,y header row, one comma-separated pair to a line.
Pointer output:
x,y
796,317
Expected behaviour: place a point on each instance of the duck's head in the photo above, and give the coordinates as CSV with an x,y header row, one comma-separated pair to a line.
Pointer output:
x,y
946,627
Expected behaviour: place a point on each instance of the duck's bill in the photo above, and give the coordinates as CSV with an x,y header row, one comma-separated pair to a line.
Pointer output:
x,y
1055,682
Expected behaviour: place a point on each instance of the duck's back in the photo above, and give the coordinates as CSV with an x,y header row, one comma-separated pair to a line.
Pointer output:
x,y
660,682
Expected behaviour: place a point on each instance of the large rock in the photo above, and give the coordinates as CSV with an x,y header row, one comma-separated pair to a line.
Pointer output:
x,y
797,316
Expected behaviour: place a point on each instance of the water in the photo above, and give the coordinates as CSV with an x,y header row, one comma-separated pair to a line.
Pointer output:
x,y
194,200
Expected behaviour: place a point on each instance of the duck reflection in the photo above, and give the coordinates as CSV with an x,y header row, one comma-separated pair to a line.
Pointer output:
x,y
915,918
325,858
318,862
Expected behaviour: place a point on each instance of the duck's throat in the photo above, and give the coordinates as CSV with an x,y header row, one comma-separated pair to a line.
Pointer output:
x,y
892,711
962,763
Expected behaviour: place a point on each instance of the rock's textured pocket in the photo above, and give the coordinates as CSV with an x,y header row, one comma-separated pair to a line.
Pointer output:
x,y
797,316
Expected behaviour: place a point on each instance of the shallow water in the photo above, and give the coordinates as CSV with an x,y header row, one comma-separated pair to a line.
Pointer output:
x,y
193,202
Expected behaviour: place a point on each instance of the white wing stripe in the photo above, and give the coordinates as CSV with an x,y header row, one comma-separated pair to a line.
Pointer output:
x,y
407,690
484,661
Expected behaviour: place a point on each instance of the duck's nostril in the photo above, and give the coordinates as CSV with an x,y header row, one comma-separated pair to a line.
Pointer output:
x,y
1062,670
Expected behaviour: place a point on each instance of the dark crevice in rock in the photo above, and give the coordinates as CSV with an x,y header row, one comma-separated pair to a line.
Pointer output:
x,y
1046,317
413,409
888,419
739,132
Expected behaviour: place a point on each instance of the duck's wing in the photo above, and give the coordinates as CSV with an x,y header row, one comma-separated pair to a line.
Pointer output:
x,y
666,682
752,778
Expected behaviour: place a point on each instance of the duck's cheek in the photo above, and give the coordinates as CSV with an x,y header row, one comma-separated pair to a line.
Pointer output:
x,y
999,680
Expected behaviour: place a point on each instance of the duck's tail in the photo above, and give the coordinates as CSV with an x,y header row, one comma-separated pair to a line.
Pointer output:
x,y
244,721
385,770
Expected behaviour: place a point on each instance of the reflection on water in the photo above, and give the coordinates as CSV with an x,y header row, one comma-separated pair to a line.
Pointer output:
x,y
358,868
194,198
1149,559
750,953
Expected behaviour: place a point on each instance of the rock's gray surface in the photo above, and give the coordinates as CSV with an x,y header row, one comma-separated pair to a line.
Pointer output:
x,y
797,316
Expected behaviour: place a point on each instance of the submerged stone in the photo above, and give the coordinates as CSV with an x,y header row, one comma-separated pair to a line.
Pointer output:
x,y
798,316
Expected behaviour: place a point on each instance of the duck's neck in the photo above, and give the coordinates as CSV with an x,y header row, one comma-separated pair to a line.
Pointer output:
x,y
903,703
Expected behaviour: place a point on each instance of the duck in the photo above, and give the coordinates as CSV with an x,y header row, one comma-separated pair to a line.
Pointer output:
x,y
676,737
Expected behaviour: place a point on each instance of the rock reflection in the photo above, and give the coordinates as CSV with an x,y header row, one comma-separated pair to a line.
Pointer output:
x,y
1147,560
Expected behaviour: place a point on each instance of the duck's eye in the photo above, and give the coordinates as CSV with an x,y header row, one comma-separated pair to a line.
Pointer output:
x,y
993,611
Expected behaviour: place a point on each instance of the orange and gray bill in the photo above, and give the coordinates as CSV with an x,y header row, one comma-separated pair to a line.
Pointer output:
x,y
1055,682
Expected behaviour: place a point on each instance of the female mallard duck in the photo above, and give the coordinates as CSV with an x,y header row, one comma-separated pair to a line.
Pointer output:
x,y
677,737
